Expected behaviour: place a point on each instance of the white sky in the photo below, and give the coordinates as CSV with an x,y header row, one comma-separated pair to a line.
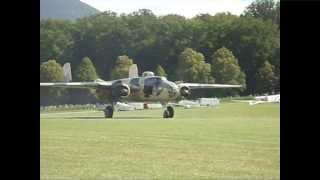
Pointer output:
x,y
187,8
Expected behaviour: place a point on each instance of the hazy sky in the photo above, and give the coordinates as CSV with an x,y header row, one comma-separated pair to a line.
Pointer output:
x,y
187,8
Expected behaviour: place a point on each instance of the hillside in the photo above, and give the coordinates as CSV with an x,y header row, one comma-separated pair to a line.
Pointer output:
x,y
65,9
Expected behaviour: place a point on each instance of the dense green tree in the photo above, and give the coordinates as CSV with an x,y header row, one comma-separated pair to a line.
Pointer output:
x,y
265,9
142,29
254,41
160,71
212,32
56,41
225,68
266,78
121,68
85,71
98,37
51,71
174,35
277,71
192,67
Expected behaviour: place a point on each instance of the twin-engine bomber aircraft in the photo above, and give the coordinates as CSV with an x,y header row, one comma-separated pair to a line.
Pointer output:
x,y
148,88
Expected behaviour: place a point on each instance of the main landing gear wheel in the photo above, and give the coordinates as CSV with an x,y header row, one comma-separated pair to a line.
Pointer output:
x,y
169,112
108,112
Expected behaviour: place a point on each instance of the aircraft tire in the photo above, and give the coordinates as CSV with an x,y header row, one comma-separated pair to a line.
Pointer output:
x,y
166,114
171,111
108,112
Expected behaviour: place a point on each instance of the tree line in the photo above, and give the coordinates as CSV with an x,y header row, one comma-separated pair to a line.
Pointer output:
x,y
220,48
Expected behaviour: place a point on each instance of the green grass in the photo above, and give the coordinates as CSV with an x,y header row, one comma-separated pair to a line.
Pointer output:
x,y
232,141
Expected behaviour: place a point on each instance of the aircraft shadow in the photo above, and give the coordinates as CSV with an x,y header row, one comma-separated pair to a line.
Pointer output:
x,y
151,117
101,117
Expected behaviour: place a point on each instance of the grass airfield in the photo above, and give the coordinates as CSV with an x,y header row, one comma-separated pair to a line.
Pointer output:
x,y
231,141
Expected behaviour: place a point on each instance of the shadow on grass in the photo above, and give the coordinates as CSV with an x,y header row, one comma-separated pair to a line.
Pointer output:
x,y
149,117
101,118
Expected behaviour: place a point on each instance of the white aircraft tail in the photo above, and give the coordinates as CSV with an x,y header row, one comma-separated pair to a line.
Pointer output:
x,y
133,71
67,72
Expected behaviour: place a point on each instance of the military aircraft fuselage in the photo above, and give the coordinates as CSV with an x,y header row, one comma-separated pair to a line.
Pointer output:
x,y
143,89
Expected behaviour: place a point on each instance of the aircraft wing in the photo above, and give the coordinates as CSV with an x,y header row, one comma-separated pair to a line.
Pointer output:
x,y
208,86
68,77
93,84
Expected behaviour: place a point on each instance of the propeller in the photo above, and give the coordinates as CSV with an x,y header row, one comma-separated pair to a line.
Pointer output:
x,y
185,91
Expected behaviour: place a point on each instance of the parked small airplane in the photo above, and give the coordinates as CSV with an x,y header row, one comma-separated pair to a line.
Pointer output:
x,y
265,99
262,99
148,88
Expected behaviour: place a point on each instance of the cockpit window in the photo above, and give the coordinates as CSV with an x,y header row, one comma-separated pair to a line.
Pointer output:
x,y
152,80
150,84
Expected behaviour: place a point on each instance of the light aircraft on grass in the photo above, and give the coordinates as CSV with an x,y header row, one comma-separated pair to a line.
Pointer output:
x,y
147,88
266,99
262,99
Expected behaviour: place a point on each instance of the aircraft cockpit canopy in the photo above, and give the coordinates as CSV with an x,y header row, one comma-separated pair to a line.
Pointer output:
x,y
147,74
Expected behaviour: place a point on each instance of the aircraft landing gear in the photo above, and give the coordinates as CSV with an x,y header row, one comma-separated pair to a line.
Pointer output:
x,y
169,112
108,112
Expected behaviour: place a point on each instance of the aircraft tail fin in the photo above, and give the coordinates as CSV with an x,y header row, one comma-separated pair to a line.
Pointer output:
x,y
133,71
67,72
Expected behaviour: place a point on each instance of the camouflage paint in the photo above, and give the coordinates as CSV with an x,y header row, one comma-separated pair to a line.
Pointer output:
x,y
143,89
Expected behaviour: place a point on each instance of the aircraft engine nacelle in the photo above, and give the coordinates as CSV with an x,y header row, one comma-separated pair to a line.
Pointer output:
x,y
185,91
120,90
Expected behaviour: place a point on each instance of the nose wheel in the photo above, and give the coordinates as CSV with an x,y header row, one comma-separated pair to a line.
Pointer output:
x,y
108,112
168,112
